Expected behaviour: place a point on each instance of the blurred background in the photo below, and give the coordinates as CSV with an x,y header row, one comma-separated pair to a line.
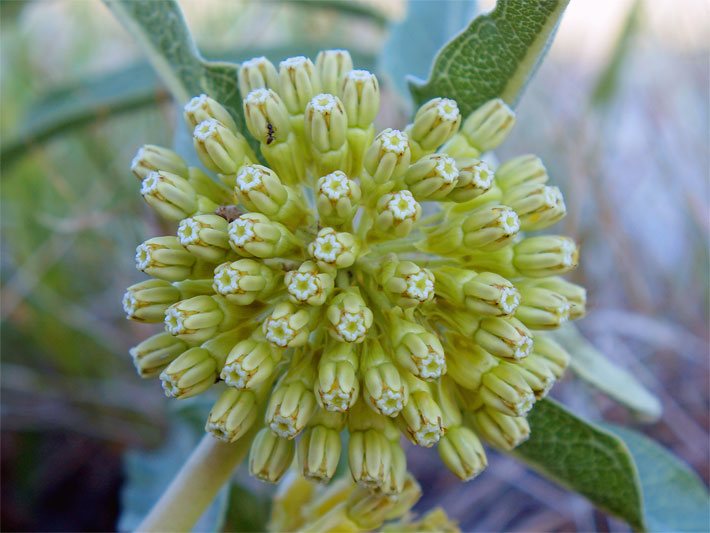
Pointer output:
x,y
618,112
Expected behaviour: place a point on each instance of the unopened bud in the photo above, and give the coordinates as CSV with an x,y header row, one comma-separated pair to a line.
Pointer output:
x,y
547,255
151,356
205,237
202,107
257,73
555,355
417,349
308,285
538,206
466,362
326,131
387,158
337,384
332,249
504,389
169,194
349,317
332,66
200,318
486,294
369,457
244,281
287,327
385,390
434,124
462,453
319,448
361,98
232,415
164,258
421,417
250,363
488,126
542,308
219,148
147,301
504,337
502,431
433,177
254,235
396,214
537,374
406,283
523,170
337,198
270,456
575,294
151,158
298,83
475,178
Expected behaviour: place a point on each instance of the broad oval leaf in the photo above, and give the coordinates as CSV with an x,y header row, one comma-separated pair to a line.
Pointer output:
x,y
619,384
583,458
494,56
675,498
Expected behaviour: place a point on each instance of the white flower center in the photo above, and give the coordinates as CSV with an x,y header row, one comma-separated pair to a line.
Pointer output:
x,y
324,103
351,326
206,129
419,286
226,279
336,400
509,300
235,376
335,185
196,103
248,178
284,426
568,249
241,231
402,205
279,332
303,285
138,158
293,62
394,141
150,184
188,232
170,387
174,321
254,62
143,258
129,304
446,169
432,365
327,248
448,110
509,221
359,75
482,175
258,96
390,403
523,347
428,435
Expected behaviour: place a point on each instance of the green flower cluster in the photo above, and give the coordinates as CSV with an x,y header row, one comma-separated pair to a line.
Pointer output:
x,y
380,284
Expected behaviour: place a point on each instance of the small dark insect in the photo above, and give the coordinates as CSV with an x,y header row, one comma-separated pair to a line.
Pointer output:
x,y
270,134
228,212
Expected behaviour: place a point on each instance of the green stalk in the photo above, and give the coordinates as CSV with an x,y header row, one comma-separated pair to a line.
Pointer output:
x,y
196,485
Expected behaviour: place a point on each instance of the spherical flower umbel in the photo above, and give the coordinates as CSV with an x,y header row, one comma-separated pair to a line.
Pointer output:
x,y
376,284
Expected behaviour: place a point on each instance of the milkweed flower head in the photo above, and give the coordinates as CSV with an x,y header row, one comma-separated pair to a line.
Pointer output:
x,y
385,284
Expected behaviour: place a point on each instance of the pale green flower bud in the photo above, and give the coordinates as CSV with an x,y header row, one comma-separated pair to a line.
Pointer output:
x,y
387,159
555,355
219,148
148,300
337,198
486,294
287,327
421,417
270,456
504,389
200,318
326,131
257,73
519,171
164,258
542,308
504,337
434,124
245,281
155,353
406,499
361,98
488,126
337,385
487,228
406,283
417,349
538,206
433,177
205,237
298,83
308,285
462,453
502,431
151,158
385,390
192,373
397,475
201,108
291,405
259,189
332,249
266,116
475,179
547,255
194,287
396,214
537,374
369,457
319,448
169,194
332,66
466,362
575,294
349,317
250,363
232,415
217,193
254,235
367,509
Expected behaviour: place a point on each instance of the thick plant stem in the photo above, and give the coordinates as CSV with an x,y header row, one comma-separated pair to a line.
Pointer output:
x,y
196,485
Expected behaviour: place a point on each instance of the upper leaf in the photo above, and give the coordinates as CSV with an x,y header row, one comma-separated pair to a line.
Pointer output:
x,y
494,56
585,459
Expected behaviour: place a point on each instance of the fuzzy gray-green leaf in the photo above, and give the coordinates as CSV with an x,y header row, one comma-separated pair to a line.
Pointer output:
x,y
495,56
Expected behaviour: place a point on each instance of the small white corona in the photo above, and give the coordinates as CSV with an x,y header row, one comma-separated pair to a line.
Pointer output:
x,y
174,321
334,185
196,103
390,403
248,178
448,110
394,141
150,184
509,300
509,222
189,232
428,435
278,331
419,286
523,347
303,285
206,129
402,205
326,248
446,169
241,231
258,96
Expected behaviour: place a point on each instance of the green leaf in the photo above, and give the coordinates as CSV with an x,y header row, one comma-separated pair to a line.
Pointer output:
x,y
413,42
160,29
583,458
675,497
593,367
495,56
